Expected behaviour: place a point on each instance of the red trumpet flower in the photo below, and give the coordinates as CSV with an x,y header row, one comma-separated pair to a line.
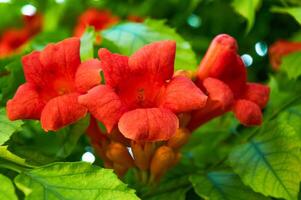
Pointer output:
x,y
223,75
280,49
99,19
55,78
141,95
13,38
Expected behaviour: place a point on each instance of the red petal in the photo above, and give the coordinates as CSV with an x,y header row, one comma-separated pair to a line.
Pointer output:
x,y
114,66
62,111
156,59
33,69
219,91
104,104
176,97
62,58
222,62
150,124
247,112
258,94
26,103
88,75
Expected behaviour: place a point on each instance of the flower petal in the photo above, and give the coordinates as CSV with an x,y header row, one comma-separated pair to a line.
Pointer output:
x,y
149,124
33,69
104,104
62,58
114,66
257,93
26,104
247,112
176,97
219,92
222,62
88,75
62,111
156,59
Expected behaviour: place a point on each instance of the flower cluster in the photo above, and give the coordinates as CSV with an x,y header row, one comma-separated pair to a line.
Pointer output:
x,y
143,103
13,38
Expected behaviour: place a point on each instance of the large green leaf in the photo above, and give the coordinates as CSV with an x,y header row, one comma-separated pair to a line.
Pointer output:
x,y
247,8
72,181
39,147
293,11
129,37
7,127
270,163
222,185
7,190
291,64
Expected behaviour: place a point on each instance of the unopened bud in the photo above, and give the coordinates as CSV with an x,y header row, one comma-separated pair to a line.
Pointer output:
x,y
142,153
179,139
163,159
119,154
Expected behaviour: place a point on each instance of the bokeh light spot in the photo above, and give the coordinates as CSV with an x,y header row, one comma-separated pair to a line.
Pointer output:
x,y
261,48
28,10
88,157
247,59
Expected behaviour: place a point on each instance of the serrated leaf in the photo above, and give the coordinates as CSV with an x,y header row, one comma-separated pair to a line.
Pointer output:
x,y
7,189
291,64
86,46
60,181
293,11
270,163
129,37
222,185
247,9
39,147
7,127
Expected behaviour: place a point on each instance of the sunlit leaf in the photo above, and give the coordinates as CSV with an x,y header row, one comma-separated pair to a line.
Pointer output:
x,y
7,127
7,190
86,46
247,8
291,64
83,181
270,163
293,11
222,185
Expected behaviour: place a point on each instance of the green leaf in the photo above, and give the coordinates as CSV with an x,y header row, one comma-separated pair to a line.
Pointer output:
x,y
129,37
72,181
270,162
7,189
11,77
7,127
222,185
291,64
10,157
293,11
86,46
174,188
247,9
39,147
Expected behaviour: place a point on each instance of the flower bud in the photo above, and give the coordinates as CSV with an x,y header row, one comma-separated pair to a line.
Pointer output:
x,y
179,139
119,154
163,159
142,153
120,170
